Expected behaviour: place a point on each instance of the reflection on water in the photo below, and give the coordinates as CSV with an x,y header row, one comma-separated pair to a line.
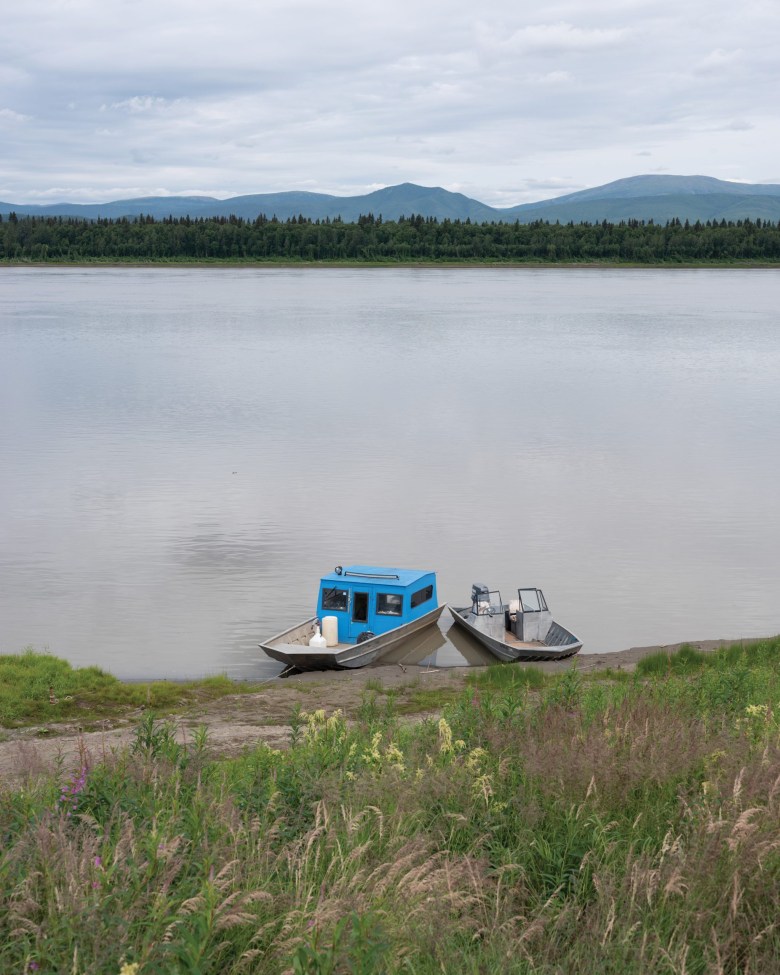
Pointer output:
x,y
417,648
183,453
433,648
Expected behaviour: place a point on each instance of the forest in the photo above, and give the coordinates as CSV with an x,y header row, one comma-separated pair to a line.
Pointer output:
x,y
371,240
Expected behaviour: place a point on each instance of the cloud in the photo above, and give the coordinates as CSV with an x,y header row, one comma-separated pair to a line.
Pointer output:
x,y
139,103
563,37
718,59
552,78
348,94
8,115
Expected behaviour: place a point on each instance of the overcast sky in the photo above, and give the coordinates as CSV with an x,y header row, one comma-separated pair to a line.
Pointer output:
x,y
506,101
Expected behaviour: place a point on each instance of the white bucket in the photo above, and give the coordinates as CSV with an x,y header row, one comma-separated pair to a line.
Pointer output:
x,y
330,630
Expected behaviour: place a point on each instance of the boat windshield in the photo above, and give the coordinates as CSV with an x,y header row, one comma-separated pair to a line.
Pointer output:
x,y
487,603
531,600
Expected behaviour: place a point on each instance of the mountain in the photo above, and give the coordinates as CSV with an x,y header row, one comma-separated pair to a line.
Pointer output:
x,y
392,202
658,198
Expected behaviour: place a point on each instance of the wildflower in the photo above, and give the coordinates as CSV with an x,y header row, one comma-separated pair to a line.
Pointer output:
x,y
757,711
129,968
474,758
316,722
395,757
334,720
445,736
715,758
97,862
71,790
372,755
460,744
349,776
483,787
757,718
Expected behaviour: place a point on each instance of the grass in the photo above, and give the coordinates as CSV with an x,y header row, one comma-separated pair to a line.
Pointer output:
x,y
543,825
37,687
508,677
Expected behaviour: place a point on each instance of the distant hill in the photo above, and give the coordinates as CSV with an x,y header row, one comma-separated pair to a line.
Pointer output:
x,y
658,198
391,202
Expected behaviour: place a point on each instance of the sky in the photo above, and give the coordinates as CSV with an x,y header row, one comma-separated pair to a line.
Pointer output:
x,y
506,101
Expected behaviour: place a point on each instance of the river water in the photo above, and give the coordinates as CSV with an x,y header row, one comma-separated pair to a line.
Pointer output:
x,y
183,452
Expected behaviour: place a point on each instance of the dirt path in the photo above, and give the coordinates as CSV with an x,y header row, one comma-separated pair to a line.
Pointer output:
x,y
239,722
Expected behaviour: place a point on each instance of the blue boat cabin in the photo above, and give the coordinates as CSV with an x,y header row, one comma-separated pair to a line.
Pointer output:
x,y
372,599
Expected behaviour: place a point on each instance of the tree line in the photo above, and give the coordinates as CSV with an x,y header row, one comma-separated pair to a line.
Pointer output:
x,y
374,240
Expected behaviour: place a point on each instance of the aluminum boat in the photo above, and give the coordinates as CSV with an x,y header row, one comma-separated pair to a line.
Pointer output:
x,y
364,612
522,629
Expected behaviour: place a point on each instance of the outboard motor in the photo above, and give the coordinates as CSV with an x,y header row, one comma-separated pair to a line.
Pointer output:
x,y
479,593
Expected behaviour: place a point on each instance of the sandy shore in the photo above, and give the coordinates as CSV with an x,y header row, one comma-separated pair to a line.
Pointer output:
x,y
241,721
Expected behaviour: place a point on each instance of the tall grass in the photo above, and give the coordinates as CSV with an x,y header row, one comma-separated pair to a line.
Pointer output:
x,y
626,827
37,687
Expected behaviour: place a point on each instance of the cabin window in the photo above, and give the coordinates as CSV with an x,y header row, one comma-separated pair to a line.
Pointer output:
x,y
422,596
335,599
360,607
389,603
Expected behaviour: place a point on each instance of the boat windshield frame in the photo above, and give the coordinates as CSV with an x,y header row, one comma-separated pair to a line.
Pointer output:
x,y
542,603
480,607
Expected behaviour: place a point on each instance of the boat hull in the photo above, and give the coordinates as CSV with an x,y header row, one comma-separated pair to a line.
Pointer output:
x,y
562,643
291,647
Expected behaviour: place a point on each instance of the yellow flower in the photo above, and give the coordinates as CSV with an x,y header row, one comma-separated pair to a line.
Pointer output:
x,y
475,756
334,720
373,754
483,786
395,757
757,711
445,736
129,968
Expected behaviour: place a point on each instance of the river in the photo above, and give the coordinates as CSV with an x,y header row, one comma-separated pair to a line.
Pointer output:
x,y
183,452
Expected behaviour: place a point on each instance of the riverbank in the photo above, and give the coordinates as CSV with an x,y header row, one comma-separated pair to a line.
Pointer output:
x,y
260,714
216,263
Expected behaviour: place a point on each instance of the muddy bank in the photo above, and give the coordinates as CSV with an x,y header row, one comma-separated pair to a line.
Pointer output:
x,y
238,722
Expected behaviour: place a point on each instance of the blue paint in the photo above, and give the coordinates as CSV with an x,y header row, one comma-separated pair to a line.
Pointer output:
x,y
375,598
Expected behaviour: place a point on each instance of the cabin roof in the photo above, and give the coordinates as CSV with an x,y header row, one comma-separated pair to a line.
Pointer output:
x,y
362,573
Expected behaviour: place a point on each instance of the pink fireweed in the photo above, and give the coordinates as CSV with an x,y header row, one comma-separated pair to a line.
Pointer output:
x,y
71,790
